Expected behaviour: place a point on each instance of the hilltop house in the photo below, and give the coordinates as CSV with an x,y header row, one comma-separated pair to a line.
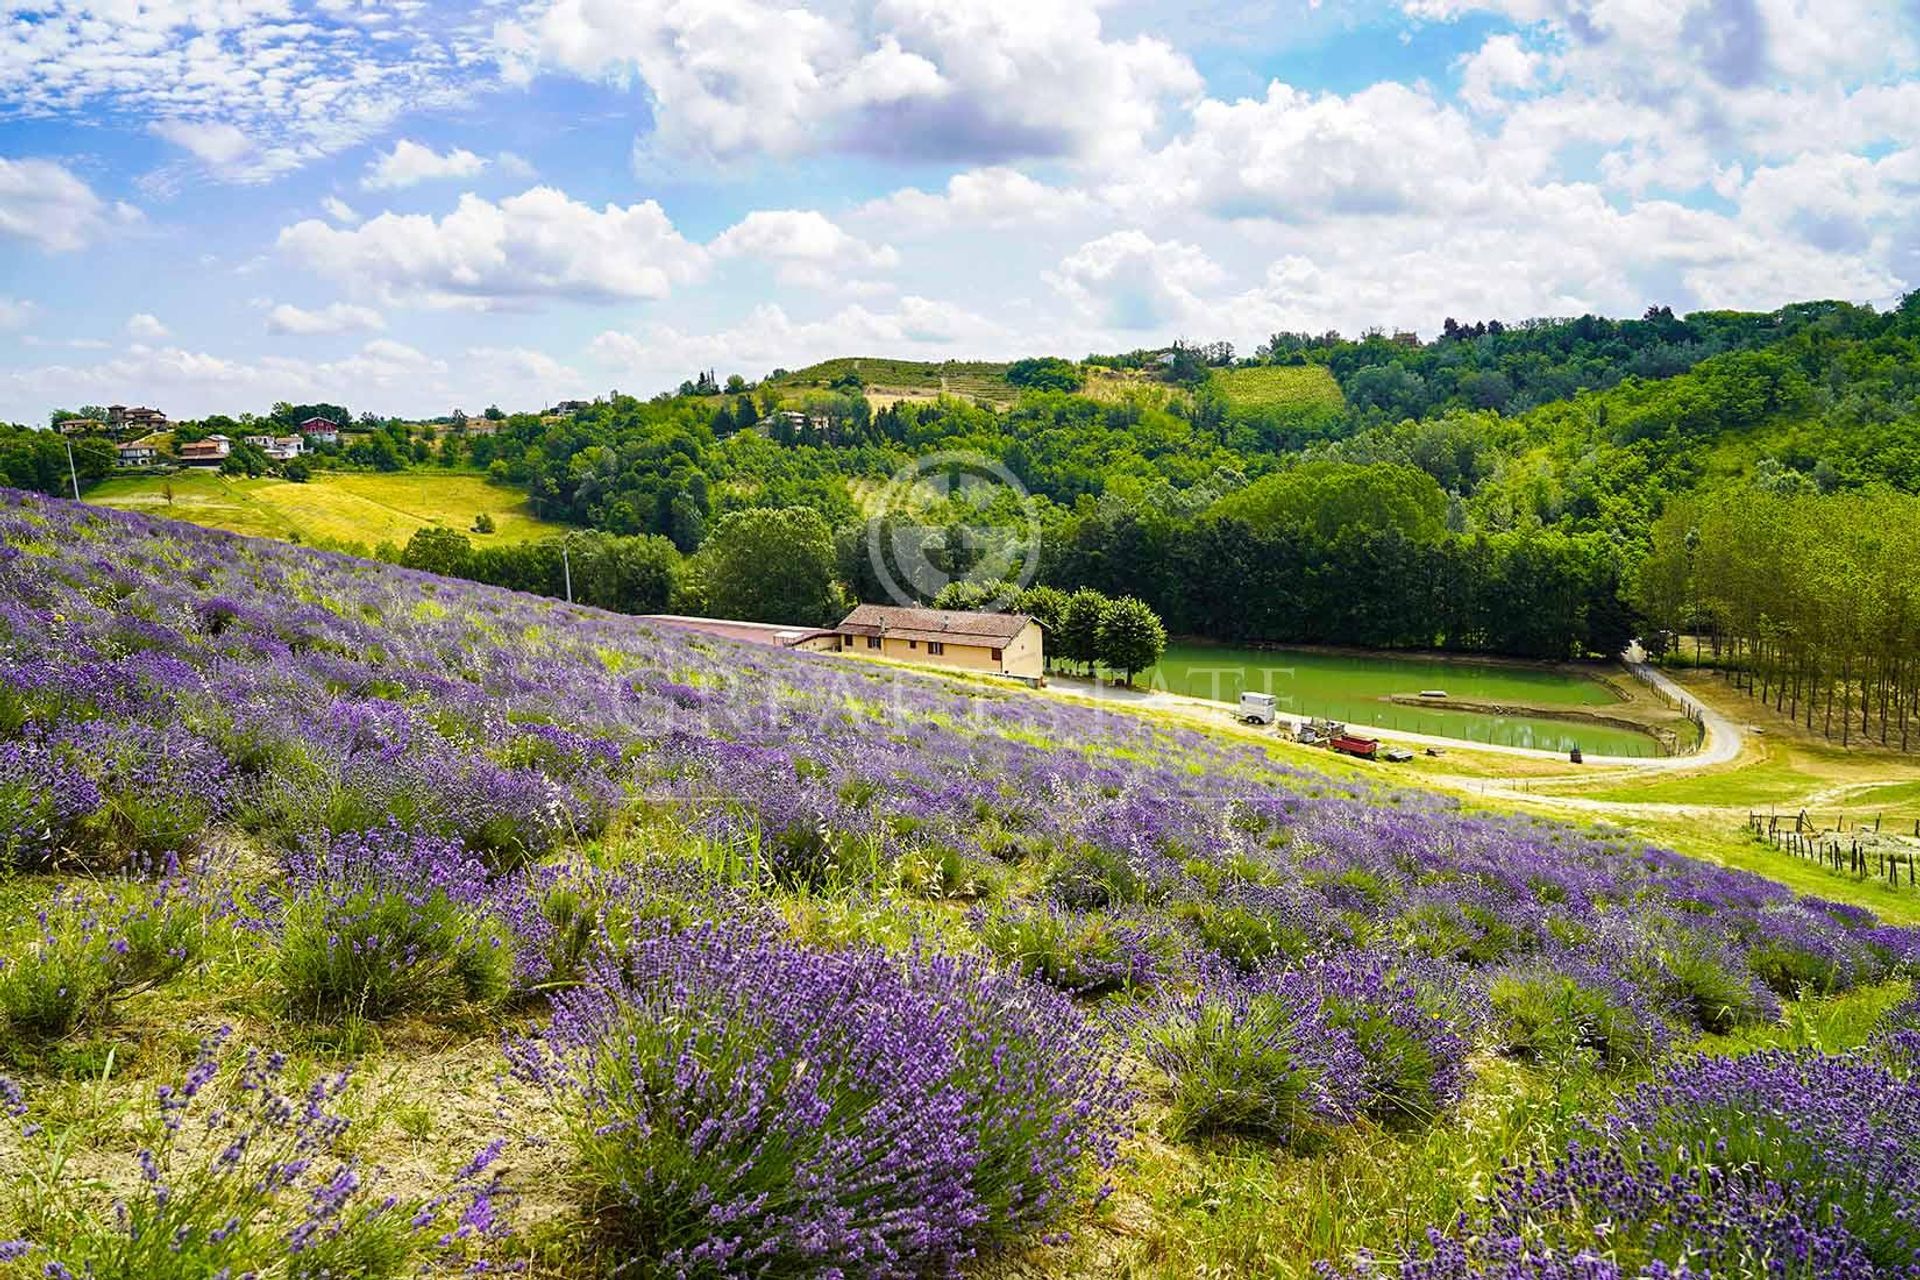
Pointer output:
x,y
320,431
210,452
81,426
137,454
278,448
1006,644
121,418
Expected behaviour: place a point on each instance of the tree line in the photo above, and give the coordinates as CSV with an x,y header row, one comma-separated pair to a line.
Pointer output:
x,y
1809,601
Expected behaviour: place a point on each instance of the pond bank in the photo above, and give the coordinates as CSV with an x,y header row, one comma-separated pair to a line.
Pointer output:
x,y
1551,707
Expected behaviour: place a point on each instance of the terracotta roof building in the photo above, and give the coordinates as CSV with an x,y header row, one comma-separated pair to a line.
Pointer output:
x,y
1008,644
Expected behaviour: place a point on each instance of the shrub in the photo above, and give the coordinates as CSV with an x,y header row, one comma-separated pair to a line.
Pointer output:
x,y
44,799
1710,984
388,922
239,1177
1084,953
941,871
1249,925
1795,968
1557,1009
1412,1026
1252,1057
756,1107
1088,875
94,946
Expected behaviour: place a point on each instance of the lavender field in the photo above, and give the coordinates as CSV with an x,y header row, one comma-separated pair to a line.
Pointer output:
x,y
357,922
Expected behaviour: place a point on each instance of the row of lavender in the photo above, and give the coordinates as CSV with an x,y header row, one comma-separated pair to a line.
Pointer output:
x,y
1295,956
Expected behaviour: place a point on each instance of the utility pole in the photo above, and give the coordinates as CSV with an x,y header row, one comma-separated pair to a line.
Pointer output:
x,y
72,475
566,565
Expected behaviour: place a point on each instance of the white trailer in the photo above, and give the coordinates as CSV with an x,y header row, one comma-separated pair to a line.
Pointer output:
x,y
1259,708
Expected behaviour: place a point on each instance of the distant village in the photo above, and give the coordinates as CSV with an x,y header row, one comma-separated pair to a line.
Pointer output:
x,y
145,438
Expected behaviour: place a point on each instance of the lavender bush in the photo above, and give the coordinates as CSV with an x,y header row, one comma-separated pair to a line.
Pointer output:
x,y
822,1113
238,1176
387,921
1255,1056
91,946
1784,1164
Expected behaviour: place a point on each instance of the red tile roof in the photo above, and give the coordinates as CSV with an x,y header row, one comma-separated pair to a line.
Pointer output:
x,y
993,630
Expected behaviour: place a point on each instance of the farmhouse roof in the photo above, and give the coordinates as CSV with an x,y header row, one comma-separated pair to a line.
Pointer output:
x,y
960,626
773,633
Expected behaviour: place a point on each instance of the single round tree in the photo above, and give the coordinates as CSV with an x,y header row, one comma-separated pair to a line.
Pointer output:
x,y
1131,637
1080,619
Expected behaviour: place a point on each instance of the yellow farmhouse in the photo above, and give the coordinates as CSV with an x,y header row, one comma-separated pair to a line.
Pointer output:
x,y
1006,644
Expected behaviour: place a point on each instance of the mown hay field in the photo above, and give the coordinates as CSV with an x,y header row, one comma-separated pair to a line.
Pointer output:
x,y
336,507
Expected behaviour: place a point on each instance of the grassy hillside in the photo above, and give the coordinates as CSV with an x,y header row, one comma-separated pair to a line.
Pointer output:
x,y
889,380
341,507
640,952
1306,386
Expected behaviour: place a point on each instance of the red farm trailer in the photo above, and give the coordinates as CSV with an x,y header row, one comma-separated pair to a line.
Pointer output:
x,y
1352,744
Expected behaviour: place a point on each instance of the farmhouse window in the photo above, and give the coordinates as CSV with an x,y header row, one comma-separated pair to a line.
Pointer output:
x,y
995,653
935,648
873,642
913,644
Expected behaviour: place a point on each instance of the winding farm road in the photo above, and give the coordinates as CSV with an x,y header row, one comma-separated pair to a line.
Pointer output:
x,y
1721,742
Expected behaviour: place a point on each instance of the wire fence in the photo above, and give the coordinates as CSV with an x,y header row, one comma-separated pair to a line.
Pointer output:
x,y
1880,848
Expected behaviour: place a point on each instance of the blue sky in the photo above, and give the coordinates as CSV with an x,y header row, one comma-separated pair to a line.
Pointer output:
x,y
210,205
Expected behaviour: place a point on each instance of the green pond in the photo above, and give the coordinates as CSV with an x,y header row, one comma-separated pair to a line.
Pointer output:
x,y
1357,688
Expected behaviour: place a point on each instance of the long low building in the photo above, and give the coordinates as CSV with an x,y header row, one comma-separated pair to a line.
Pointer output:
x,y
776,635
1003,644
1006,644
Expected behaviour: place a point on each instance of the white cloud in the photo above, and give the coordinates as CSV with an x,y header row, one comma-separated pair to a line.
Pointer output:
x,y
15,312
1298,156
994,198
527,365
1128,280
340,211
226,151
144,326
807,246
45,204
768,337
412,162
335,317
1500,65
987,81
536,244
250,88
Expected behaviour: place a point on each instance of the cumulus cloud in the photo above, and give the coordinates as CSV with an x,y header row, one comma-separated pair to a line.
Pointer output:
x,y
45,204
536,244
145,327
807,246
335,317
340,211
1127,280
1503,63
413,162
15,313
1299,156
993,198
985,81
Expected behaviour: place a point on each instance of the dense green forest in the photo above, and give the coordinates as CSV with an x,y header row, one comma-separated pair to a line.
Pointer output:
x,y
1493,490
1496,489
